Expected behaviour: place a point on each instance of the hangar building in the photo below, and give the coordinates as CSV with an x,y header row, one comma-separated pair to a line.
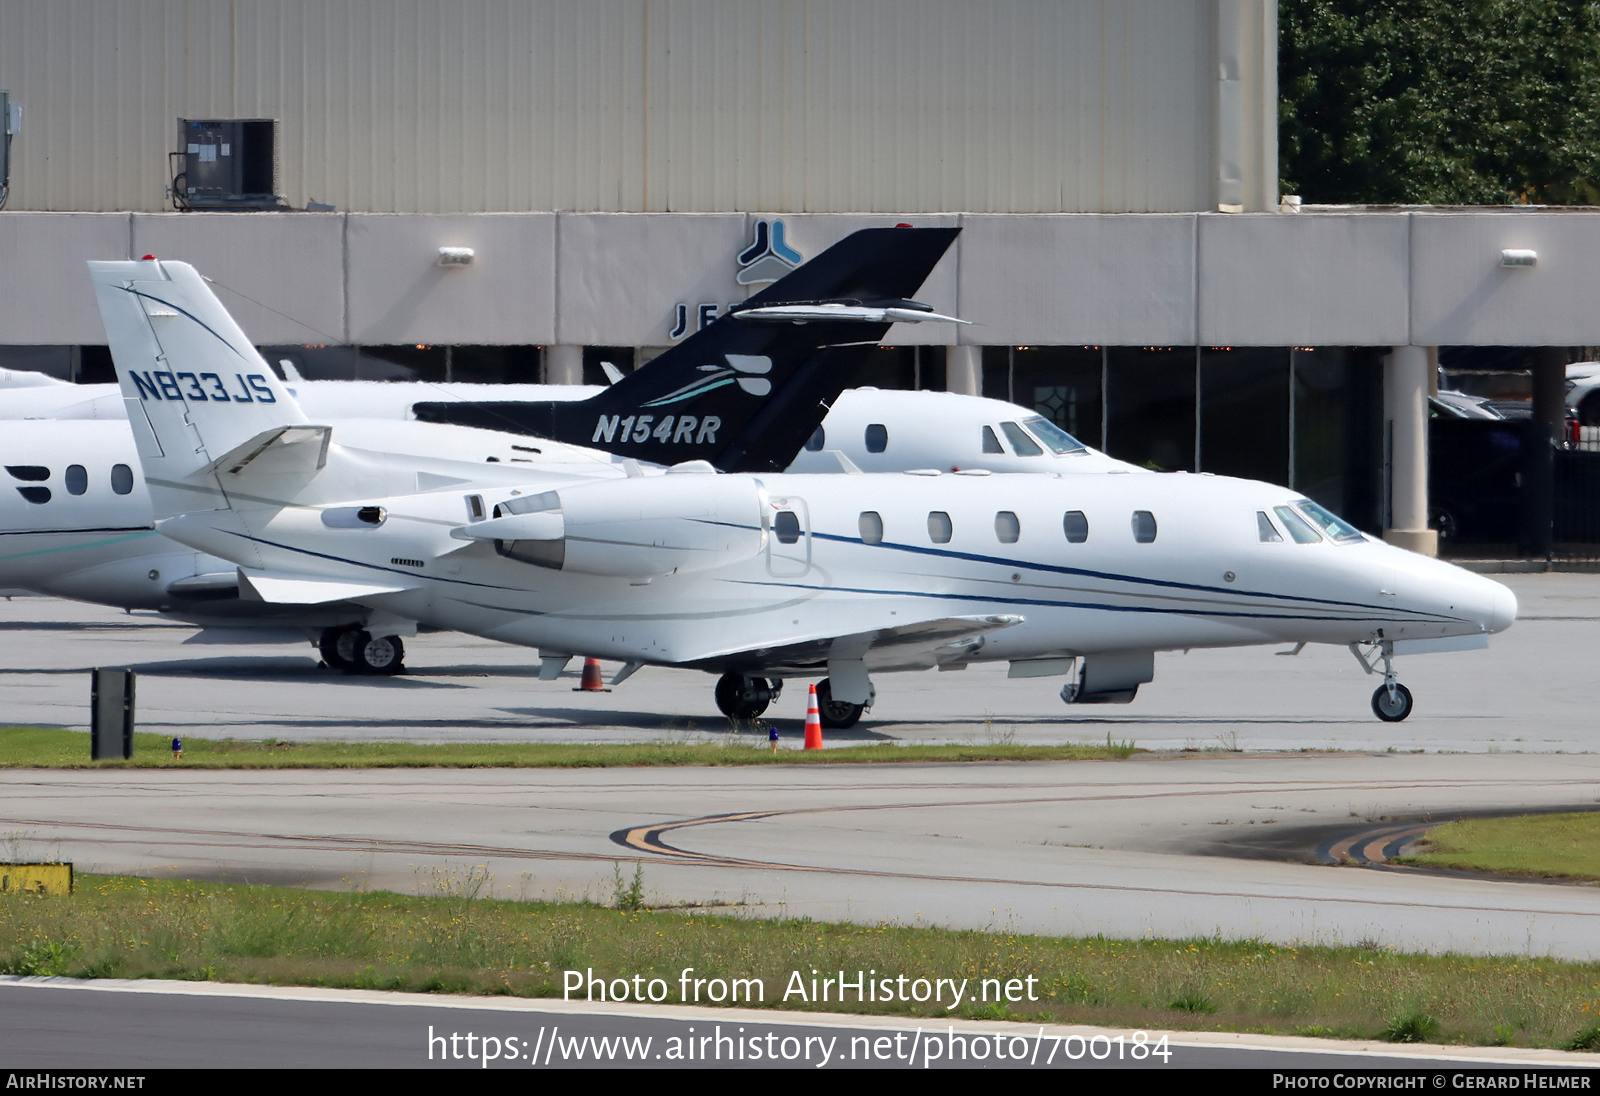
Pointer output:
x,y
621,170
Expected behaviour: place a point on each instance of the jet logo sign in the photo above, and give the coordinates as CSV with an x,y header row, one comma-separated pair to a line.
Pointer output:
x,y
765,259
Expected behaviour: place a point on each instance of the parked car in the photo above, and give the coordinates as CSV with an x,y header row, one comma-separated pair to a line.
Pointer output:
x,y
1583,392
1449,404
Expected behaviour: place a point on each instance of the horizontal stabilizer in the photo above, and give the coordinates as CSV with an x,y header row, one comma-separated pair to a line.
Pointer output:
x,y
292,449
294,590
920,645
841,313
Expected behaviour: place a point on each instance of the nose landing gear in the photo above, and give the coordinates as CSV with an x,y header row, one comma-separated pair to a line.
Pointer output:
x,y
1392,700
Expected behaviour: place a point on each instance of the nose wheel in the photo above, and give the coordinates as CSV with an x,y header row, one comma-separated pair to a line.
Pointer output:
x,y
1392,701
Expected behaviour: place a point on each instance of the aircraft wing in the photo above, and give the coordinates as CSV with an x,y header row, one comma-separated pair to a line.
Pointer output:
x,y
919,646
297,590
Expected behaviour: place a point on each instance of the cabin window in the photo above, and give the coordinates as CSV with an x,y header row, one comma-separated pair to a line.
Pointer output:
x,y
991,444
122,479
1076,526
939,527
1266,530
786,523
1007,527
818,438
877,437
1144,527
871,527
33,473
1021,443
1298,528
474,507
77,479
36,495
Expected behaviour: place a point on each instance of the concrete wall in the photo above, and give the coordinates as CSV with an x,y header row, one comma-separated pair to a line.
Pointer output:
x,y
1310,279
412,106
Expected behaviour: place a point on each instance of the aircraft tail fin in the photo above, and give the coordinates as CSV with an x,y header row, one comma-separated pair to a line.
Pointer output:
x,y
745,392
196,390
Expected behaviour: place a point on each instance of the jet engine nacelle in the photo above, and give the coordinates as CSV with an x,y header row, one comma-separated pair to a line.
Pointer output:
x,y
642,527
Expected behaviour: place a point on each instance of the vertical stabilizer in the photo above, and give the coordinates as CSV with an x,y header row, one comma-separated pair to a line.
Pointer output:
x,y
747,391
195,388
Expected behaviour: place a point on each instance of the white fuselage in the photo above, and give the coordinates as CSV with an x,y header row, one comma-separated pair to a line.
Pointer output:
x,y
1207,579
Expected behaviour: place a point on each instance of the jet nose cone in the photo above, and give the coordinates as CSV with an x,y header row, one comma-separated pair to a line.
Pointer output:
x,y
1502,609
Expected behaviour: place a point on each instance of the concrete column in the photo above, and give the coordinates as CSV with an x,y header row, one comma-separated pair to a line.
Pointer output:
x,y
1405,424
563,364
1550,390
963,370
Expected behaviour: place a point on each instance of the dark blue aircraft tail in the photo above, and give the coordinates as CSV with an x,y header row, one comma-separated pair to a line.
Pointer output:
x,y
747,391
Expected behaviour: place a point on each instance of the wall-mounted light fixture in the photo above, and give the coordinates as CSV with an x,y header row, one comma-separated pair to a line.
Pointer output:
x,y
456,256
1511,258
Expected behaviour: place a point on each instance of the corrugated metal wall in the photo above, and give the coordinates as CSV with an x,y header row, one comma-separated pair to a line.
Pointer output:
x,y
631,105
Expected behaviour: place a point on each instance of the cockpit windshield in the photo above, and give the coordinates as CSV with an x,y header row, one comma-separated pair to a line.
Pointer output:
x,y
1333,527
1053,436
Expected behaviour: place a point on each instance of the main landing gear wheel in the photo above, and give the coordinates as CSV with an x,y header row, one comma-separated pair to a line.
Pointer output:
x,y
836,715
380,654
1392,703
743,698
357,652
338,647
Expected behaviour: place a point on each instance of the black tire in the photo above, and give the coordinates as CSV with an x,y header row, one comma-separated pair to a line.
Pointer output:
x,y
836,715
383,655
1391,708
735,701
328,643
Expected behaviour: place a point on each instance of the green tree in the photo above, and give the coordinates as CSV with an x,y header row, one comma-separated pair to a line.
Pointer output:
x,y
1443,102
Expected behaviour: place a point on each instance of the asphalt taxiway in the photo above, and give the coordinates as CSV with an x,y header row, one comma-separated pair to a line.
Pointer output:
x,y
1221,839
1171,847
1533,689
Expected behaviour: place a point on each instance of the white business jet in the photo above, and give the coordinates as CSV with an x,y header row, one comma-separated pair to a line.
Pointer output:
x,y
757,578
87,532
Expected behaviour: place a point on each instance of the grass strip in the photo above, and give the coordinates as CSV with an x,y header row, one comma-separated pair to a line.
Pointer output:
x,y
451,939
58,748
1541,846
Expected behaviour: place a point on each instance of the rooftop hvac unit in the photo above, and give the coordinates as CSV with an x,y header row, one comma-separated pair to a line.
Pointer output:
x,y
226,163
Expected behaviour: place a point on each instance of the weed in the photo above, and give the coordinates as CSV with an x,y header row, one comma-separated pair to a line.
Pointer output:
x,y
994,1010
628,897
1413,1026
1503,1034
41,959
1192,999
1587,1039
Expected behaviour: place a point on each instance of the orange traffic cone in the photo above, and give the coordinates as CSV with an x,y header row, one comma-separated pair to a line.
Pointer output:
x,y
813,722
592,681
